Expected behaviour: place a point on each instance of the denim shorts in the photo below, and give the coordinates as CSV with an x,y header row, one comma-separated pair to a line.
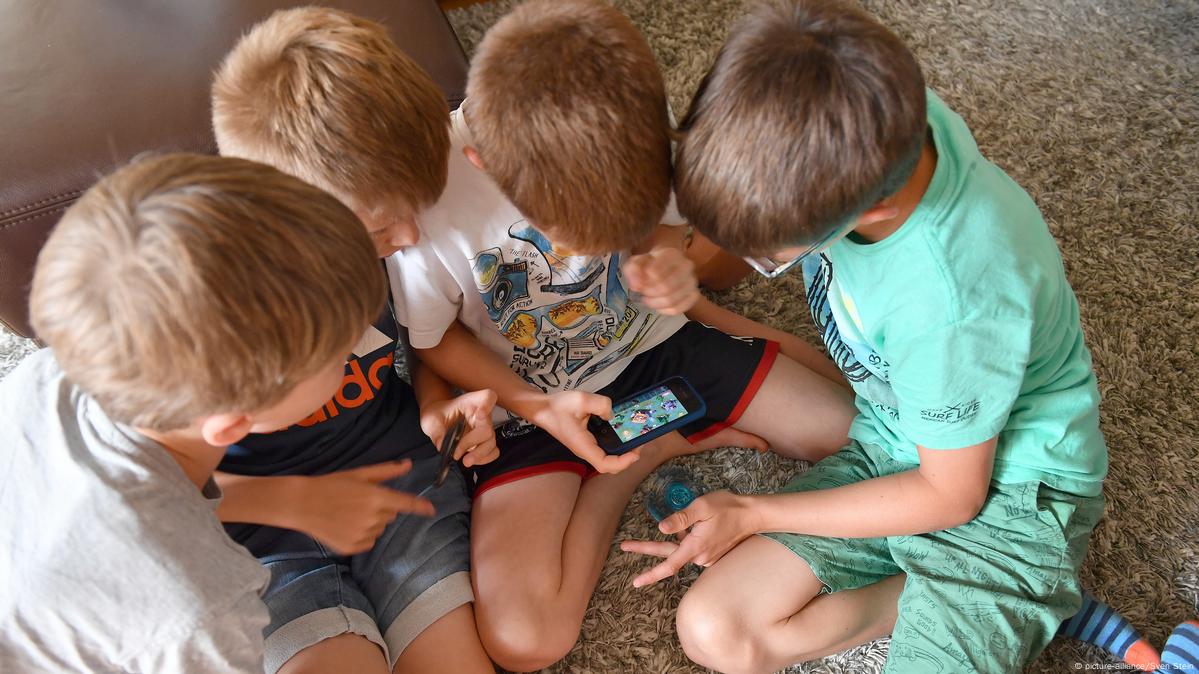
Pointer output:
x,y
416,573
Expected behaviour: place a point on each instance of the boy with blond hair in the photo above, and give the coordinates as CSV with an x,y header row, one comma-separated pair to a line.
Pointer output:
x,y
543,272
368,550
175,324
974,475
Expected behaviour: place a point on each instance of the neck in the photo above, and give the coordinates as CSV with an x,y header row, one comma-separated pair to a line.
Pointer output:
x,y
905,200
197,458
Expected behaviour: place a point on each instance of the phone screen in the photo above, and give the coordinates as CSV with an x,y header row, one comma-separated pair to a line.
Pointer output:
x,y
646,412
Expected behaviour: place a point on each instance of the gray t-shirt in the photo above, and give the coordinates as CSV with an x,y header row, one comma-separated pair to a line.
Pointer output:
x,y
110,559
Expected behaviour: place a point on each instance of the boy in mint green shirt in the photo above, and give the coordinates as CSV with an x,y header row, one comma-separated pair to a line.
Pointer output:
x,y
959,515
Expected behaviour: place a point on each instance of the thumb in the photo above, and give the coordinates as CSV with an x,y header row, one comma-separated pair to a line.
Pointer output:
x,y
680,521
477,405
633,271
382,472
594,403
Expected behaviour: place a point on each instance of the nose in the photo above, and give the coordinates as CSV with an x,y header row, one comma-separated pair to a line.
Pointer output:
x,y
404,235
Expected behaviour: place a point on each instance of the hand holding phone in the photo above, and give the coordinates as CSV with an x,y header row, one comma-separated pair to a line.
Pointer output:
x,y
565,416
648,414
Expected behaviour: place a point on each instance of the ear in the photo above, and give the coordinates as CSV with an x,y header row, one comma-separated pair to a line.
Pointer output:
x,y
222,430
473,156
877,213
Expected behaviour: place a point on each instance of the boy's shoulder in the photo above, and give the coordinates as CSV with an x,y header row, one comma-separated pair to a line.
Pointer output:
x,y
471,208
93,520
973,223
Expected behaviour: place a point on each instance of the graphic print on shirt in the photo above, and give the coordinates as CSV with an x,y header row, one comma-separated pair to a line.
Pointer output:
x,y
561,312
837,320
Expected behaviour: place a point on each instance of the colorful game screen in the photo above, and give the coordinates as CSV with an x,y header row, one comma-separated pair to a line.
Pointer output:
x,y
645,413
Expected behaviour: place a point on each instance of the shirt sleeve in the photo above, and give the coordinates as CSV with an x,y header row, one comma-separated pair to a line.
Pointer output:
x,y
956,384
426,297
227,641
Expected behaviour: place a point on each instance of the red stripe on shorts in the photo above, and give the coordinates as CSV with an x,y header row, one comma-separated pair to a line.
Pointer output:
x,y
532,471
747,396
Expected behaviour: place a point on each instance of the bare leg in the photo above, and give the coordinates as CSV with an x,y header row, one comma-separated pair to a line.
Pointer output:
x,y
730,322
799,413
538,546
449,645
758,610
342,653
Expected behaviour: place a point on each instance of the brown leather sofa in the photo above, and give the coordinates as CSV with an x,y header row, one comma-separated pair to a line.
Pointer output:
x,y
84,86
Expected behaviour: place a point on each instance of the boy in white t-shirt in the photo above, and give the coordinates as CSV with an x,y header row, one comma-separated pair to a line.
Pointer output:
x,y
560,156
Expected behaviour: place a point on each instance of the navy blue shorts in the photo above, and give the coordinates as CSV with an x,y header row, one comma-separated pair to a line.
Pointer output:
x,y
726,371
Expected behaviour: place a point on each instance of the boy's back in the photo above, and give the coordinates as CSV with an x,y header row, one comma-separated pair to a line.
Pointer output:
x,y
175,325
973,273
102,529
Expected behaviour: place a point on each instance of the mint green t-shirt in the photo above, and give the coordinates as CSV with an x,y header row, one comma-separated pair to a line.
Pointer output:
x,y
961,326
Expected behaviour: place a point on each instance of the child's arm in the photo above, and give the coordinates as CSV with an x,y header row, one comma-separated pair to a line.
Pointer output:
x,y
467,363
947,490
346,510
438,405
732,323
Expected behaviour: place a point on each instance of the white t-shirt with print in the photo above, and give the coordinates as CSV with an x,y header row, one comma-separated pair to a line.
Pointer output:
x,y
561,322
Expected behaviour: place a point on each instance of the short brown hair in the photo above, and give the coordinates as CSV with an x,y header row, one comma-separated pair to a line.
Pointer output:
x,y
186,285
568,112
812,112
327,96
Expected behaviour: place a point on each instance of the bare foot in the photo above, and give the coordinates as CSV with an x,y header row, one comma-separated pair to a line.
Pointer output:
x,y
673,445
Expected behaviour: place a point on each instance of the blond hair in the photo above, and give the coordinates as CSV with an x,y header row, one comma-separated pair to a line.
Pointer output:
x,y
327,96
187,285
812,112
568,112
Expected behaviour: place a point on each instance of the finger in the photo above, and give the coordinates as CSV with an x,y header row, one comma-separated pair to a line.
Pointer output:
x,y
655,548
354,548
382,472
396,502
480,449
665,269
594,403
477,405
615,464
377,530
677,302
683,519
666,568
482,457
477,436
633,271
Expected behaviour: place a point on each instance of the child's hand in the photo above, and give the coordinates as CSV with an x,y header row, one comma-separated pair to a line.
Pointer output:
x,y
348,510
564,416
717,522
477,446
665,279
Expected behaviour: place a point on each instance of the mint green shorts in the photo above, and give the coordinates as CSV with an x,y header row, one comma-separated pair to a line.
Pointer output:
x,y
986,596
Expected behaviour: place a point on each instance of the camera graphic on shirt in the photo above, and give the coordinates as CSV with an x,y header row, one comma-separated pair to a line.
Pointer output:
x,y
508,282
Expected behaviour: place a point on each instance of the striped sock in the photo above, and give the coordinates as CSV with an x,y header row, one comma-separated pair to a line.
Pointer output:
x,y
1099,624
1181,653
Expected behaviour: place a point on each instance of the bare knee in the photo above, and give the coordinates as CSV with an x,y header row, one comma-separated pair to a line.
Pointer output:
x,y
526,637
716,637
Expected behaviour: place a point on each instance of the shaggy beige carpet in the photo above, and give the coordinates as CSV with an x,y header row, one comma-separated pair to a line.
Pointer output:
x,y
1093,106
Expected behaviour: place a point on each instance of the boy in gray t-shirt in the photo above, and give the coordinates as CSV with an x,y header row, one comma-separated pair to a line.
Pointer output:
x,y
176,323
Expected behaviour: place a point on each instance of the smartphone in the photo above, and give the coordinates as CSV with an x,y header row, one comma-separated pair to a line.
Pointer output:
x,y
646,415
